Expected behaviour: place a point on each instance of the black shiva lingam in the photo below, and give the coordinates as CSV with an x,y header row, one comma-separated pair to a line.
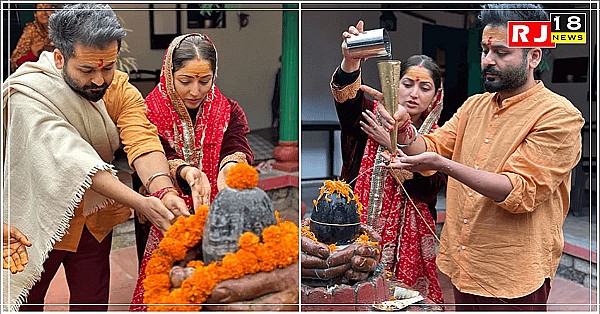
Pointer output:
x,y
335,218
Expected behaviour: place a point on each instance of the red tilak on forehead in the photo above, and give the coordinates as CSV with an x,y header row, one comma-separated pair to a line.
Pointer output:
x,y
418,79
101,62
489,41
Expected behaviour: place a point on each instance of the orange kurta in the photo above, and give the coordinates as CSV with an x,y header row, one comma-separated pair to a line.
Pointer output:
x,y
126,107
506,249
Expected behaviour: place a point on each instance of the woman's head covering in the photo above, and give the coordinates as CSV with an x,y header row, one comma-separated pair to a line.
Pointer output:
x,y
197,143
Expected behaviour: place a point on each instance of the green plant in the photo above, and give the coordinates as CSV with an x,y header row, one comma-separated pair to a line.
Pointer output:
x,y
207,9
126,62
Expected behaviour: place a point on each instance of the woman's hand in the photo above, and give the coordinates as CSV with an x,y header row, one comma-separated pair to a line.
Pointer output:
x,y
378,133
400,115
199,184
350,64
14,255
221,178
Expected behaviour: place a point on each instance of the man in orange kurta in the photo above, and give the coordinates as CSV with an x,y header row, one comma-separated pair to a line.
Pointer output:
x,y
508,153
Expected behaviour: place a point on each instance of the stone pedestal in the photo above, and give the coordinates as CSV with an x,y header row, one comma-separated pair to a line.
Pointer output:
x,y
358,297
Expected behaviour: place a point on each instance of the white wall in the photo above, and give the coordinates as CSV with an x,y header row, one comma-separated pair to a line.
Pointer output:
x,y
248,57
321,55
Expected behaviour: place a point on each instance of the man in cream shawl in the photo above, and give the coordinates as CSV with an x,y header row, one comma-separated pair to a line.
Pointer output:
x,y
67,114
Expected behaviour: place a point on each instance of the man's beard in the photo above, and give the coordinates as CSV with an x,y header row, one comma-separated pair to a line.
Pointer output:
x,y
90,92
511,79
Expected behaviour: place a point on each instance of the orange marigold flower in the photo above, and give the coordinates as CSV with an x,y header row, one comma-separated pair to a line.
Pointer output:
x,y
249,260
278,248
248,241
364,239
155,286
158,264
332,247
195,264
242,176
173,248
233,265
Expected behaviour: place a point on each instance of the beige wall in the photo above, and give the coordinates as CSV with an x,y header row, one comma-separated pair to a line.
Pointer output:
x,y
248,57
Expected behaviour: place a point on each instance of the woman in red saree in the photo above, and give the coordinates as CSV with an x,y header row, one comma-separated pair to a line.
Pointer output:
x,y
202,131
35,37
408,243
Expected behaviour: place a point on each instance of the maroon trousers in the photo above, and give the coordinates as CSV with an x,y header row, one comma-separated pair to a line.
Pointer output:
x,y
87,271
536,301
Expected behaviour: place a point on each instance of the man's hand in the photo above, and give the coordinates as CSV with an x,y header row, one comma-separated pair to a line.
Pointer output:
x,y
199,184
378,133
421,162
176,205
14,252
278,287
353,263
153,209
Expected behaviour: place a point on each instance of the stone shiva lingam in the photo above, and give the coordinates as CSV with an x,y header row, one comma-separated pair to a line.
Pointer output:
x,y
233,212
333,285
240,235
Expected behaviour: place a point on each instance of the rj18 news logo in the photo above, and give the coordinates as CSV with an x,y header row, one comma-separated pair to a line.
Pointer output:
x,y
563,28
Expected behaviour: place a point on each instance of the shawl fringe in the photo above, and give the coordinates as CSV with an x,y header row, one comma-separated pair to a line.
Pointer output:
x,y
60,232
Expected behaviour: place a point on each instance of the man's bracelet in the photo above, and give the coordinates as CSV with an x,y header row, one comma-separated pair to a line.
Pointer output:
x,y
154,176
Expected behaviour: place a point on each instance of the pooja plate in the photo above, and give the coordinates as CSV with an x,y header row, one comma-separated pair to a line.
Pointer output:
x,y
397,305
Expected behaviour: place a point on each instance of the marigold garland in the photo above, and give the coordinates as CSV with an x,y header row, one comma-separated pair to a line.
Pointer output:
x,y
362,239
242,176
278,249
342,188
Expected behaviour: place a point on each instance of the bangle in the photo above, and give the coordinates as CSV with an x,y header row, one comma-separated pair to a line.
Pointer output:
x,y
225,164
174,165
154,176
237,157
160,194
178,172
415,132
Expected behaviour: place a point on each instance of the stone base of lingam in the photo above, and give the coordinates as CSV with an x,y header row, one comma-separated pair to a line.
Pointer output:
x,y
342,297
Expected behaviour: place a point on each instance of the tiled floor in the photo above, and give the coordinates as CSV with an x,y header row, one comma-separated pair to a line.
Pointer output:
x,y
123,277
564,296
